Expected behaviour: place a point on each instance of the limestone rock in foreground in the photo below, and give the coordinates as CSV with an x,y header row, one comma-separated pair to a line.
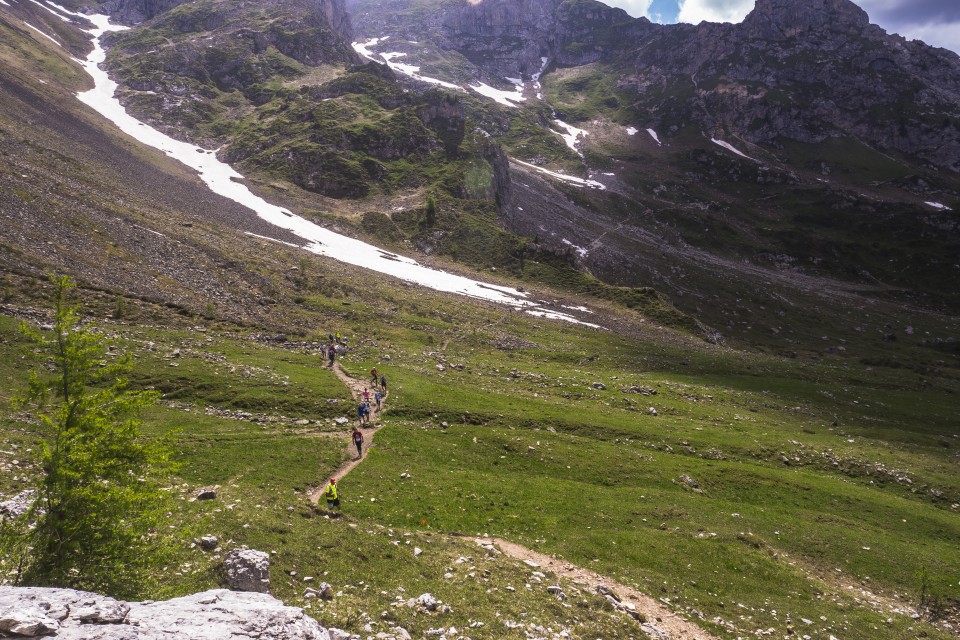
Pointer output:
x,y
212,615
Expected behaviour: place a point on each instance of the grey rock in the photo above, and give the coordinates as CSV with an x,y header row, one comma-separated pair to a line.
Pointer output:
x,y
17,505
428,602
207,494
599,385
247,570
209,543
212,615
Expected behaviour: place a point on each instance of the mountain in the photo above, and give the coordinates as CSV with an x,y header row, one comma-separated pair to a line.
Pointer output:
x,y
672,307
803,152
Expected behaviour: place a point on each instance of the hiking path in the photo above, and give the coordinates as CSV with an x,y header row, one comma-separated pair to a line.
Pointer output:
x,y
660,622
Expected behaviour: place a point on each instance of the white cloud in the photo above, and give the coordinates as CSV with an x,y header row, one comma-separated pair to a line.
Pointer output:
x,y
697,11
635,8
938,35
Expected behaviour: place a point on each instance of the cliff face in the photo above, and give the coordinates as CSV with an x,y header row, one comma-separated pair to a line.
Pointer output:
x,y
781,19
806,70
131,12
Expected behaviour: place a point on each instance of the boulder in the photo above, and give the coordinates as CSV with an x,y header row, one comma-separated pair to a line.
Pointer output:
x,y
247,570
17,505
211,615
209,543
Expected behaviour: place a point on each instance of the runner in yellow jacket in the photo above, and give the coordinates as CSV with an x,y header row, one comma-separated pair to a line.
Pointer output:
x,y
331,494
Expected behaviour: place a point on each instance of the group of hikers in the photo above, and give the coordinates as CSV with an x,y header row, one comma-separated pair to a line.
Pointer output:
x,y
378,381
335,346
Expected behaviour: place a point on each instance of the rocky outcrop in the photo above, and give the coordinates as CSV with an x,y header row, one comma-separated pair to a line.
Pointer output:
x,y
804,71
781,19
131,12
444,115
247,570
211,615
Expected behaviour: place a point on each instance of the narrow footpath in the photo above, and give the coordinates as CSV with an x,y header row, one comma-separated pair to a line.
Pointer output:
x,y
356,389
661,623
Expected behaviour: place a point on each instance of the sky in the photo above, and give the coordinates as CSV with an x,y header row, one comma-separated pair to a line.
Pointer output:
x,y
936,22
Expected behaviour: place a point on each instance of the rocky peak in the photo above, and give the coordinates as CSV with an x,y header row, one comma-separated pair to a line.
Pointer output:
x,y
778,19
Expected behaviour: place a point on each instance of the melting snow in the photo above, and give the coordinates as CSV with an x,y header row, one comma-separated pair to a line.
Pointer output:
x,y
516,81
632,131
413,71
730,147
223,180
581,308
653,134
2,2
363,48
937,205
571,136
560,176
536,77
580,250
507,98
43,34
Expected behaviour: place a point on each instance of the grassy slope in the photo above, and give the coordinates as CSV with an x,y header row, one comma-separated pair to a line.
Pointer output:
x,y
725,418
534,453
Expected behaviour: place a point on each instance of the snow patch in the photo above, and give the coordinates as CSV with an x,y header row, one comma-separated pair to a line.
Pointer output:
x,y
536,77
580,250
222,179
557,315
516,81
730,147
4,3
580,308
632,131
572,135
413,71
44,34
580,182
363,48
937,205
506,98
656,138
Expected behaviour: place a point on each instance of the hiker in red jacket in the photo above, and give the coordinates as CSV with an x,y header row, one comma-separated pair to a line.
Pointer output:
x,y
358,440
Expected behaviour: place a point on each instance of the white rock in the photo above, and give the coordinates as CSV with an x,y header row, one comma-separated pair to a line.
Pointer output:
x,y
247,570
211,615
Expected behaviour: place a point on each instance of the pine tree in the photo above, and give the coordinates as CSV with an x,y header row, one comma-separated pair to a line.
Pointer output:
x,y
98,504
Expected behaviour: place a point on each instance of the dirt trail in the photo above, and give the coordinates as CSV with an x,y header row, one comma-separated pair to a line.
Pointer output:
x,y
356,388
662,623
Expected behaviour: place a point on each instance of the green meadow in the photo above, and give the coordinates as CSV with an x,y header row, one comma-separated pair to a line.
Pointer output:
x,y
750,493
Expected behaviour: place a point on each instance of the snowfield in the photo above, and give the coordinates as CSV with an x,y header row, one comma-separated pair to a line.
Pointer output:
x,y
223,180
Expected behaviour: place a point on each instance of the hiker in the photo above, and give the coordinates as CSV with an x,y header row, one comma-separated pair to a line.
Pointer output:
x,y
366,412
373,376
358,440
378,397
338,337
332,353
331,494
366,395
383,382
361,412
